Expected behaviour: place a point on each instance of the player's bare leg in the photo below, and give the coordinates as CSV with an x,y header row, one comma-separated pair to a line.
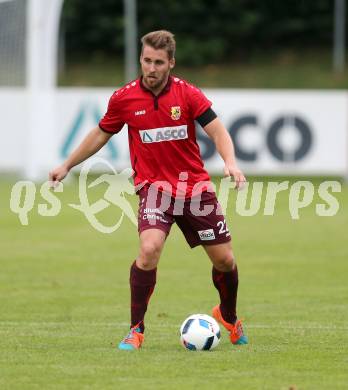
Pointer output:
x,y
221,255
142,283
151,245
225,279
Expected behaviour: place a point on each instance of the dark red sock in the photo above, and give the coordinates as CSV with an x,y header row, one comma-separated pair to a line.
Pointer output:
x,y
227,285
142,284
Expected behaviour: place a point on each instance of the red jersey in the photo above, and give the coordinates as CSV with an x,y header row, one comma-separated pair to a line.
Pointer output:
x,y
161,133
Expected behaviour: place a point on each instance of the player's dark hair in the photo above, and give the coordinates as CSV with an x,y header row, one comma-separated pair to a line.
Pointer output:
x,y
161,39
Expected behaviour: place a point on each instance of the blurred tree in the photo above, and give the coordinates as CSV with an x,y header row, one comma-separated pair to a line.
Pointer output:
x,y
93,29
207,32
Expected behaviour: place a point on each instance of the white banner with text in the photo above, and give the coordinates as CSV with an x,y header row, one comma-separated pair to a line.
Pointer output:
x,y
276,132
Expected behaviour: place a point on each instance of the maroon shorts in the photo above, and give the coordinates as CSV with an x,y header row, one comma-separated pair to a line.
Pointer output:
x,y
200,219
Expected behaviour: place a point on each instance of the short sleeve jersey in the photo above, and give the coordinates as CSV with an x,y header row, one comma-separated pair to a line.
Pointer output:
x,y
161,133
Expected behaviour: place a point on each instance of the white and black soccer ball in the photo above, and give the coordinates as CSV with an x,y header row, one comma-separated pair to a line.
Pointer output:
x,y
200,332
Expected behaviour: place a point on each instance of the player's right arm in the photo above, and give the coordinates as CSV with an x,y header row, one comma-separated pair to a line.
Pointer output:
x,y
93,142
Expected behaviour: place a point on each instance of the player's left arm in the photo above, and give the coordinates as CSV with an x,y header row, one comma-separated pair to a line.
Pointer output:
x,y
224,145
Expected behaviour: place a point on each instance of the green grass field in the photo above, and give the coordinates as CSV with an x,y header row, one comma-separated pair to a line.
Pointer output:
x,y
64,303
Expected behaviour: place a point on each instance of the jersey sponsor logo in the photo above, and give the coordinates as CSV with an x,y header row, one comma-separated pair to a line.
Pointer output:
x,y
140,112
175,113
172,133
206,235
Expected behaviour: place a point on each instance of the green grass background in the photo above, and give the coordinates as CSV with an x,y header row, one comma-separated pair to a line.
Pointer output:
x,y
65,302
294,69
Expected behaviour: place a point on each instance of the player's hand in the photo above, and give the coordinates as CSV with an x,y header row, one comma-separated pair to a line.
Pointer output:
x,y
233,171
57,175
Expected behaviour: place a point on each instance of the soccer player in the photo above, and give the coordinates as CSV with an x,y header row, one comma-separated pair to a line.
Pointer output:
x,y
160,111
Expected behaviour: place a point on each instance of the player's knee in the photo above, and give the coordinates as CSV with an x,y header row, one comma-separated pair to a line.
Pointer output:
x,y
225,262
149,254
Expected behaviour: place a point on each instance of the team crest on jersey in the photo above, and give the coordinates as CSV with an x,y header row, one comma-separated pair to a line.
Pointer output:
x,y
175,113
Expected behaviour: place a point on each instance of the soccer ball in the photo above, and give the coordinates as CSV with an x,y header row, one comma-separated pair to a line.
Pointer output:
x,y
199,332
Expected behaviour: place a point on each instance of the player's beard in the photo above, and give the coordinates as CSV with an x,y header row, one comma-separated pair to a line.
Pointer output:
x,y
156,82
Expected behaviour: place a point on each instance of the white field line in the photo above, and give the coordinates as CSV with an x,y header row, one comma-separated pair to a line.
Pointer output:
x,y
163,325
